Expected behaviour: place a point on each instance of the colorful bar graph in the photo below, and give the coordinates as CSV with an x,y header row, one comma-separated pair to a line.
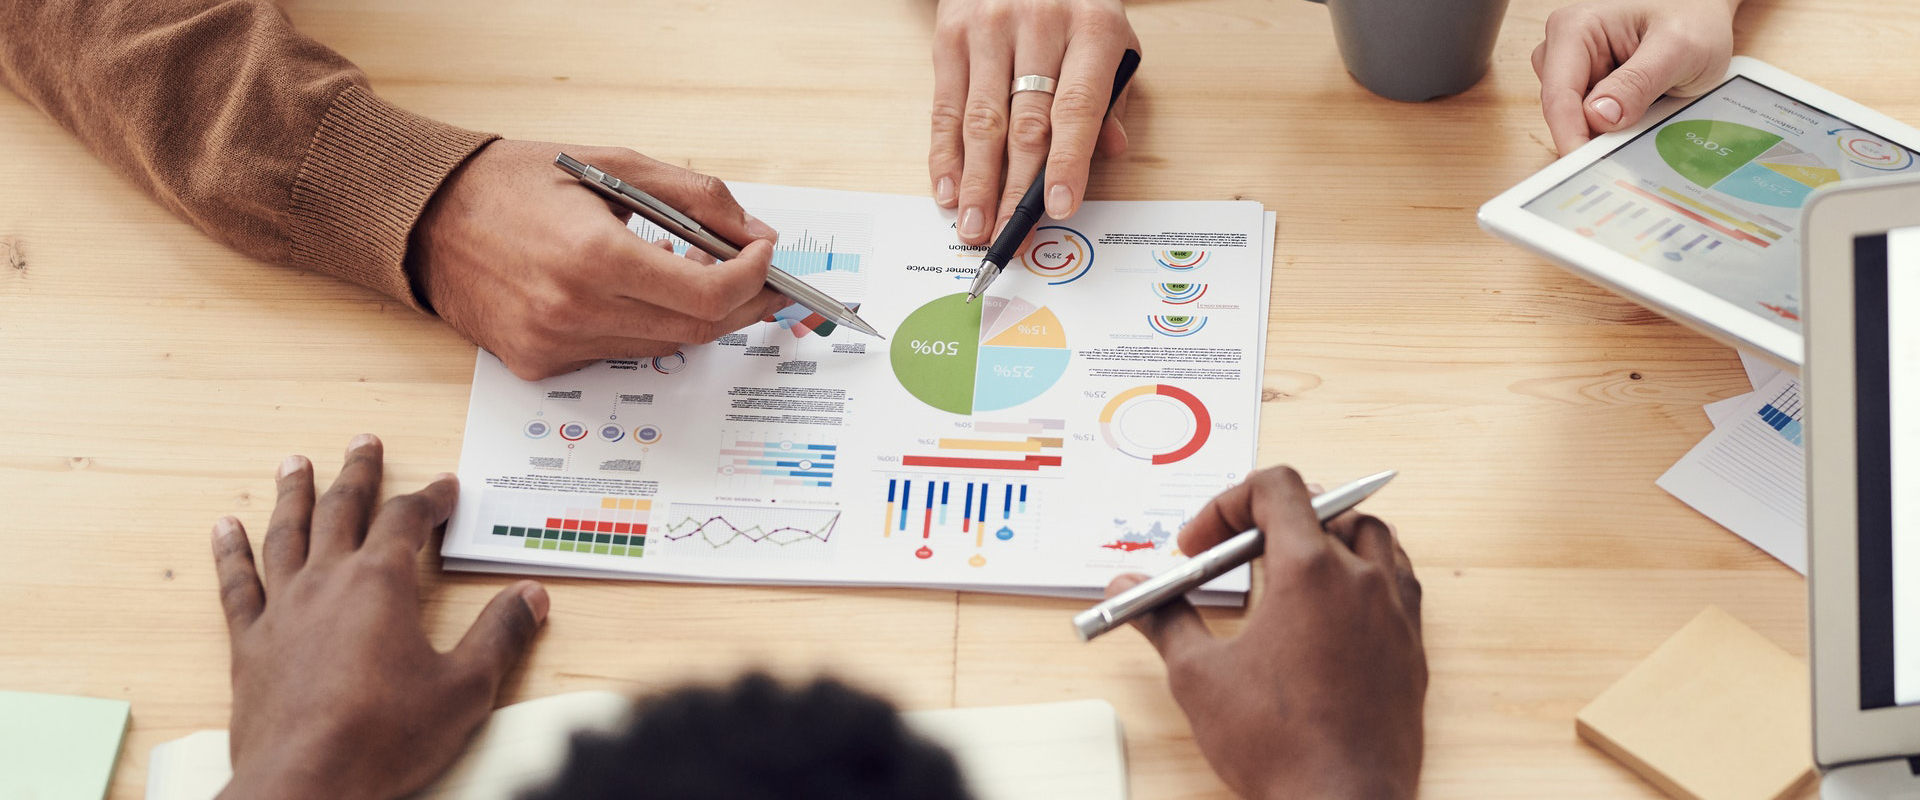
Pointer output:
x,y
976,500
1029,463
784,463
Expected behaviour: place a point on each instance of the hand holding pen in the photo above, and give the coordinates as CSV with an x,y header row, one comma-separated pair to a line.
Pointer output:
x,y
545,276
1033,205
714,244
1321,693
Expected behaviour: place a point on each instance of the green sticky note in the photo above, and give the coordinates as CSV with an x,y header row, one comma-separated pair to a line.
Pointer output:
x,y
58,746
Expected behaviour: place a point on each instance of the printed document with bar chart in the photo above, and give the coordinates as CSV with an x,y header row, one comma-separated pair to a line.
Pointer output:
x,y
1042,439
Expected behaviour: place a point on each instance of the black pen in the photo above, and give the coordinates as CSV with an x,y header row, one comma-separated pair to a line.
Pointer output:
x,y
1032,205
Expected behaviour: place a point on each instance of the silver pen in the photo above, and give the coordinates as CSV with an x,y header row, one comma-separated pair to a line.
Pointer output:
x,y
1243,548
684,227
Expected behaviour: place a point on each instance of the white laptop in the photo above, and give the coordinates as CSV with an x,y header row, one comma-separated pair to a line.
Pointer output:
x,y
1862,428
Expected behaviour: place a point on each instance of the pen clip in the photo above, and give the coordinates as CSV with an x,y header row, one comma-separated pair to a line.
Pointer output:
x,y
596,178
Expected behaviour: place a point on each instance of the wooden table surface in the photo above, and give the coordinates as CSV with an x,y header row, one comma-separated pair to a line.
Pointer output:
x,y
150,380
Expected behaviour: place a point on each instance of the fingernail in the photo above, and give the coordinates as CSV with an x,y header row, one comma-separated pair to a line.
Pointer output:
x,y
1059,201
291,465
1316,488
973,222
445,476
761,230
226,527
535,596
1608,109
363,440
943,192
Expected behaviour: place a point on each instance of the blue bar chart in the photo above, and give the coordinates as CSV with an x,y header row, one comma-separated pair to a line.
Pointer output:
x,y
1782,414
752,459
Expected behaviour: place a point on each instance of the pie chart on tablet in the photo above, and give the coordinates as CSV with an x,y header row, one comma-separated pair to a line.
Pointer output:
x,y
988,355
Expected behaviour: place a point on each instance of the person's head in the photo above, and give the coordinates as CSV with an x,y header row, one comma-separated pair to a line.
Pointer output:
x,y
758,739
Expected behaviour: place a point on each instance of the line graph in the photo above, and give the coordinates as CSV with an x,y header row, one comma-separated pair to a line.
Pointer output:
x,y
712,529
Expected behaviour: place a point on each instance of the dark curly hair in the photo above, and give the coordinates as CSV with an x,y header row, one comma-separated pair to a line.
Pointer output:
x,y
757,739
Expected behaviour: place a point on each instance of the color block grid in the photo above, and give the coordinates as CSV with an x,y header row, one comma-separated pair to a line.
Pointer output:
x,y
603,525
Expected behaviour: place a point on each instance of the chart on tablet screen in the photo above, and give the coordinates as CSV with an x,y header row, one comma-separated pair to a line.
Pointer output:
x,y
1712,195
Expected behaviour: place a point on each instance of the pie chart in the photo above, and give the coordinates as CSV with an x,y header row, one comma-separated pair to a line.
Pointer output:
x,y
985,356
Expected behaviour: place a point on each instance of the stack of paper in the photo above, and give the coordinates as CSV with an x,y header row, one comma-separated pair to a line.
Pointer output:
x,y
1040,440
1748,474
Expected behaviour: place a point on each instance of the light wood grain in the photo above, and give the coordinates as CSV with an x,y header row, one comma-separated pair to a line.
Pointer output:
x,y
150,380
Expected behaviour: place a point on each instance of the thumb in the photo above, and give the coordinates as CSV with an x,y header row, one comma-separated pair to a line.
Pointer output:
x,y
1620,99
1174,629
504,631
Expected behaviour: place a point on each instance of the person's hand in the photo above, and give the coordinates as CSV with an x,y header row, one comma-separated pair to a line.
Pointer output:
x,y
1605,61
979,47
336,691
524,261
1320,695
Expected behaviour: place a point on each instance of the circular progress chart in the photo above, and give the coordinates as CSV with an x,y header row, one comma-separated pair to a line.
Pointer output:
x,y
1156,423
967,357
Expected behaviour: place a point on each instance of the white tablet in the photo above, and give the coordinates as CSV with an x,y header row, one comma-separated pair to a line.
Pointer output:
x,y
1695,211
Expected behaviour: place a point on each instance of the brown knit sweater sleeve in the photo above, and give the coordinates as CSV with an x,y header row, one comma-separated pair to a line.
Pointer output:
x,y
263,138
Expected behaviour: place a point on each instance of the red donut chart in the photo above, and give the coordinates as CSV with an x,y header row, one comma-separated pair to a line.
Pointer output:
x,y
1156,423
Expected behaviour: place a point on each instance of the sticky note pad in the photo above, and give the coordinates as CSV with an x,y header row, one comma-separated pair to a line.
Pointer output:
x,y
58,746
1718,712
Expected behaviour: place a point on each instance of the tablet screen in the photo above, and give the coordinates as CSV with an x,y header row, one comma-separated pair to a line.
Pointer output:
x,y
1712,194
1887,413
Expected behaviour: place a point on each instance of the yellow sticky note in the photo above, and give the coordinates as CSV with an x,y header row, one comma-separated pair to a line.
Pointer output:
x,y
1718,712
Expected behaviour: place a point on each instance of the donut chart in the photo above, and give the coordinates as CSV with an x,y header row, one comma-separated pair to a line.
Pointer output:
x,y
1059,254
667,365
1156,423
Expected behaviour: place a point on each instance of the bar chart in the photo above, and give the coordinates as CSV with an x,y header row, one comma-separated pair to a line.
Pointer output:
x,y
749,459
1782,414
958,512
1026,446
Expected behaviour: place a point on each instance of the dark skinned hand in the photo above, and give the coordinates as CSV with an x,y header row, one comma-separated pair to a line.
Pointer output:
x,y
1320,695
336,691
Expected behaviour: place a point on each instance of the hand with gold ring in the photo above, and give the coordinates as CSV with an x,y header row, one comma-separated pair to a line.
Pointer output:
x,y
1018,85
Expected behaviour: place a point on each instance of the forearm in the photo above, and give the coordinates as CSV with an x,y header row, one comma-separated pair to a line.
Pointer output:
x,y
263,138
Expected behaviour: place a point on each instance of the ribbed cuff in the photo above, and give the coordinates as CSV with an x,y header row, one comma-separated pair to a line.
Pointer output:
x,y
367,178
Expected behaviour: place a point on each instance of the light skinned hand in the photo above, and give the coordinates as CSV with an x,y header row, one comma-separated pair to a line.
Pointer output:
x,y
524,261
336,691
987,146
1605,61
1321,694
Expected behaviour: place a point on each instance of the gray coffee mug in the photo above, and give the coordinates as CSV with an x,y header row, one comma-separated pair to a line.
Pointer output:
x,y
1416,50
